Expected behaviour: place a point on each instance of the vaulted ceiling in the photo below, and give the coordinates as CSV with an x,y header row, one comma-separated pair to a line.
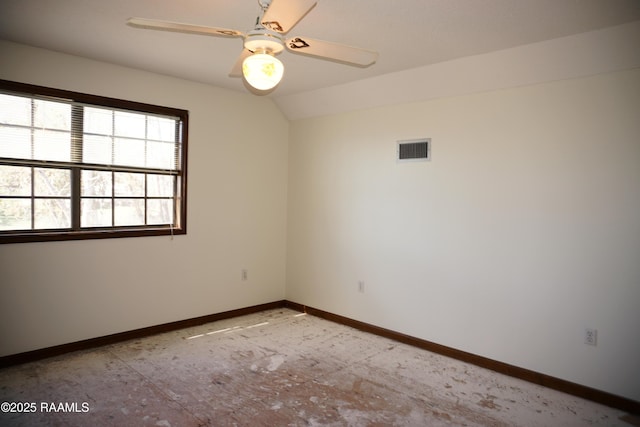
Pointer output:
x,y
406,33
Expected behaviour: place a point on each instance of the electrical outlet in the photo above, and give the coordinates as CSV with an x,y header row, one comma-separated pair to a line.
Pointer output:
x,y
244,274
361,286
591,336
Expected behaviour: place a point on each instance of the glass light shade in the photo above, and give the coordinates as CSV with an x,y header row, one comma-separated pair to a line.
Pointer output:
x,y
262,71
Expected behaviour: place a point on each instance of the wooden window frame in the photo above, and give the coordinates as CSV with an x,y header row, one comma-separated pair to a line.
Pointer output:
x,y
75,232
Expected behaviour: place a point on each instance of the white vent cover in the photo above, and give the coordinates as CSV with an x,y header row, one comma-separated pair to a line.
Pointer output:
x,y
414,150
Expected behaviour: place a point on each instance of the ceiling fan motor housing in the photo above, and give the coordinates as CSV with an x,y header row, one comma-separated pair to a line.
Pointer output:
x,y
265,40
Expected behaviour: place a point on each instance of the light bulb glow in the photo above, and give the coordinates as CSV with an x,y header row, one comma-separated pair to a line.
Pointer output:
x,y
262,71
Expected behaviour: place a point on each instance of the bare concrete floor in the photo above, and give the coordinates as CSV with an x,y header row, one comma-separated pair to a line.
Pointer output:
x,y
279,368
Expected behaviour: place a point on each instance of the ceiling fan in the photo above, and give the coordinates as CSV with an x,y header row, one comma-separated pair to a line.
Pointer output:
x,y
257,61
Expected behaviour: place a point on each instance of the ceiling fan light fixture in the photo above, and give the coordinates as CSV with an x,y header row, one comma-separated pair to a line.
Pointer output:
x,y
257,61
262,70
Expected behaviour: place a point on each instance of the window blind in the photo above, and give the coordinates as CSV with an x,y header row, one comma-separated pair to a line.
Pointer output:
x,y
78,166
66,133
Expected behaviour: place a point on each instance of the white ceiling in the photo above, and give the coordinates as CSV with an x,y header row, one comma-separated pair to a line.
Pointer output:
x,y
406,33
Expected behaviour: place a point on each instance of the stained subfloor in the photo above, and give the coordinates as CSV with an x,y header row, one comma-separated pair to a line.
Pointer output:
x,y
279,368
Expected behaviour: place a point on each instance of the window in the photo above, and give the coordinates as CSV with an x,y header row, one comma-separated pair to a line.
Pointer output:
x,y
77,166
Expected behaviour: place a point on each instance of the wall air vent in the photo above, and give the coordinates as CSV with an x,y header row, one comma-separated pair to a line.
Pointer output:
x,y
414,150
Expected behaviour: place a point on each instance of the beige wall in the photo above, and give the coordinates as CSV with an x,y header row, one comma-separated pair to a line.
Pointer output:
x,y
60,292
523,230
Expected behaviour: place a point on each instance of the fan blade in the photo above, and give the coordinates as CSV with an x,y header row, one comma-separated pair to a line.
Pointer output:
x,y
283,15
236,71
332,51
182,28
